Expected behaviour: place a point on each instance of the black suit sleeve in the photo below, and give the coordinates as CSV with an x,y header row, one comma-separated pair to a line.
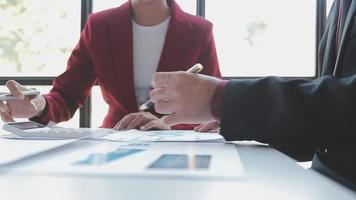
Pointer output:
x,y
294,112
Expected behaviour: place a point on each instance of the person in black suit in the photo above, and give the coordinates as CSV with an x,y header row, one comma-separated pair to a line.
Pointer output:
x,y
319,113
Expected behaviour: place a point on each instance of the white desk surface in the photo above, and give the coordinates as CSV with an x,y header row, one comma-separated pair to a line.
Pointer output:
x,y
269,175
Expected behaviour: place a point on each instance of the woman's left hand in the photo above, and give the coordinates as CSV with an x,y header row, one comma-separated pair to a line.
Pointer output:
x,y
213,127
140,120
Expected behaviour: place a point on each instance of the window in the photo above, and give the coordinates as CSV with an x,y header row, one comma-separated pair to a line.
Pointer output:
x,y
253,38
188,6
36,36
258,37
98,5
99,109
328,5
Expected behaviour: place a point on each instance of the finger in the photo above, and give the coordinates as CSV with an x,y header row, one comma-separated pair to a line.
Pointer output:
x,y
201,128
208,127
143,118
38,103
126,121
118,124
198,127
137,122
162,79
6,117
3,107
160,94
15,89
149,125
116,127
158,123
211,127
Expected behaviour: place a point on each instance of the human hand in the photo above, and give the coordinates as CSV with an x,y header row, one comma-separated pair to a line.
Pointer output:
x,y
155,124
22,106
184,97
213,127
140,120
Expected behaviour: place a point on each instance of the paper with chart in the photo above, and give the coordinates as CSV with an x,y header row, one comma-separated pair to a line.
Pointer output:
x,y
14,149
158,159
162,136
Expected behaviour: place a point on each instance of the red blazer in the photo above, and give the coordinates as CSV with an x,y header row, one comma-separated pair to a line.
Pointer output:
x,y
104,55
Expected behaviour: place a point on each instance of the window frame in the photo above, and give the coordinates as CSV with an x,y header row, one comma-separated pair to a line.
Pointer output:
x,y
87,8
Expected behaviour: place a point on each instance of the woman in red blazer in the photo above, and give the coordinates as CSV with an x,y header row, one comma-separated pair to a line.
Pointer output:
x,y
104,56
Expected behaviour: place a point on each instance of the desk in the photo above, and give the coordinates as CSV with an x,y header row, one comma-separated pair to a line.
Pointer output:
x,y
269,175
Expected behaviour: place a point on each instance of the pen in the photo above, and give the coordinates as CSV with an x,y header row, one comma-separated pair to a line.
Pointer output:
x,y
26,92
195,69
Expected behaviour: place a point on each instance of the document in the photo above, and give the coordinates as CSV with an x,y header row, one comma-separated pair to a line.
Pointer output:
x,y
181,161
101,158
14,149
157,159
45,133
162,136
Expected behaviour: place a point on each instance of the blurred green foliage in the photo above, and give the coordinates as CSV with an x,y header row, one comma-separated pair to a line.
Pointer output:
x,y
36,36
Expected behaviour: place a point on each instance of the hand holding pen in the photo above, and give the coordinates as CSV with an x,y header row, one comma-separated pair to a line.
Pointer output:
x,y
146,120
184,98
20,102
149,104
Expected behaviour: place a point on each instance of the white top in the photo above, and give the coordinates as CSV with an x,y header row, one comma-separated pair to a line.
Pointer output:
x,y
148,43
